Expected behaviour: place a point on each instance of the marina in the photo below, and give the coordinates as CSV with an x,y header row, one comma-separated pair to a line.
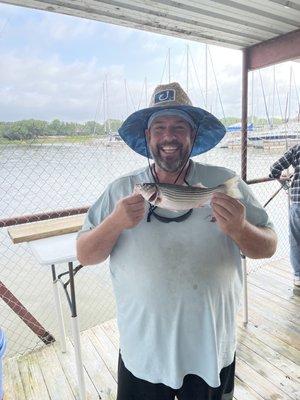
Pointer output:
x,y
46,175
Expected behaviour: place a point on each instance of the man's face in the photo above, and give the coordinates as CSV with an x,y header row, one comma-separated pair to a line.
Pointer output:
x,y
170,140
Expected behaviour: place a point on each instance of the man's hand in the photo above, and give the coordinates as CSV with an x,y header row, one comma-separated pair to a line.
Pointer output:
x,y
129,211
253,241
285,175
229,214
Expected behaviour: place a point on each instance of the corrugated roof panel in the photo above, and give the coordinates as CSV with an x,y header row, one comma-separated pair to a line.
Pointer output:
x,y
236,24
213,18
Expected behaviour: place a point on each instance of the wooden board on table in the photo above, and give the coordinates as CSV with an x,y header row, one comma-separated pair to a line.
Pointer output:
x,y
43,229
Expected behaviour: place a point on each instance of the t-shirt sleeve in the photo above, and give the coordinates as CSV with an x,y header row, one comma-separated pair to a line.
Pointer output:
x,y
97,213
255,213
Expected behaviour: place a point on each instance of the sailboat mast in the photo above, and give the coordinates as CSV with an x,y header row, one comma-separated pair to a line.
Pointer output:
x,y
206,75
106,90
187,68
273,98
169,64
252,98
290,91
126,96
104,107
146,92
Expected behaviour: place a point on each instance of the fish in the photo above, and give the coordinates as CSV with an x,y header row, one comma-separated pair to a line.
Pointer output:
x,y
178,197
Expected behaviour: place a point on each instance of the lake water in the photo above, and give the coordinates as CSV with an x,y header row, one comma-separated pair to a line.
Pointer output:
x,y
40,178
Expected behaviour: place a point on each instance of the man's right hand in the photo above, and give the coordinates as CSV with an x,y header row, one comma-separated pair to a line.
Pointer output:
x,y
129,211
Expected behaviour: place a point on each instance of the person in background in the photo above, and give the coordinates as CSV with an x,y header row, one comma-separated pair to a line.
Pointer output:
x,y
2,351
177,276
292,158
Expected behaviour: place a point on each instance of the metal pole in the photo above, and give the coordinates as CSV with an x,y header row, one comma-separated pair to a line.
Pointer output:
x,y
244,163
76,336
245,286
10,299
244,115
60,318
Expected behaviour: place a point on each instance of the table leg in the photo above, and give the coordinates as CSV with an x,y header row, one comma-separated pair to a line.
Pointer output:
x,y
60,318
76,336
245,287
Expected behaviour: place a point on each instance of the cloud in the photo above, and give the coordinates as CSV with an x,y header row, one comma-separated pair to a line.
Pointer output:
x,y
37,88
54,66
61,27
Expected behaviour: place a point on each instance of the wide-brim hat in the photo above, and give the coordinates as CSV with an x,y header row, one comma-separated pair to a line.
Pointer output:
x,y
209,130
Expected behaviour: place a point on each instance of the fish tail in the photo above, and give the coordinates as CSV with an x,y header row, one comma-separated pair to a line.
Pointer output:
x,y
231,187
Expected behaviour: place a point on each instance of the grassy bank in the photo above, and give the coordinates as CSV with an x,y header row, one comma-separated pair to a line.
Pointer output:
x,y
51,140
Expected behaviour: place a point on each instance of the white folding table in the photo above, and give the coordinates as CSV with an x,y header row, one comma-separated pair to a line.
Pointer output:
x,y
57,250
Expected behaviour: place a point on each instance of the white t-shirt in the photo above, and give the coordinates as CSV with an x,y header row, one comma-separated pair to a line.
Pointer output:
x,y
177,285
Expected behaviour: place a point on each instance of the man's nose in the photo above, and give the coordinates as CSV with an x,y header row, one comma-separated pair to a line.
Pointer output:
x,y
169,132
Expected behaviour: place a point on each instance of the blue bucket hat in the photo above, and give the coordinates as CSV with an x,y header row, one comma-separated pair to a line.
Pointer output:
x,y
171,97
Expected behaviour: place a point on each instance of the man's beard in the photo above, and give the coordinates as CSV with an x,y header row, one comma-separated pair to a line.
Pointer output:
x,y
170,165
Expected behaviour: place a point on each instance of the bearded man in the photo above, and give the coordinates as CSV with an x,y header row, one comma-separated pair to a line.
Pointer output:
x,y
177,277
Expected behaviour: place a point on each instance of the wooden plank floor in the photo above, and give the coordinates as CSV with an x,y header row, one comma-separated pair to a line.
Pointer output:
x,y
268,354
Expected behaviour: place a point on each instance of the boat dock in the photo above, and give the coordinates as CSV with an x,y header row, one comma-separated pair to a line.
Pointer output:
x,y
268,354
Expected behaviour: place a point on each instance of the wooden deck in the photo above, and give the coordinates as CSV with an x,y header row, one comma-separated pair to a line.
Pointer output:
x,y
268,355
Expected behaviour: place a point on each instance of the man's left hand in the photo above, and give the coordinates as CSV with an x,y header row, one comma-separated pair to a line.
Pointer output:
x,y
229,214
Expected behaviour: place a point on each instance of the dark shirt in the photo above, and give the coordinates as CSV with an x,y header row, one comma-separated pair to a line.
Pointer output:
x,y
291,157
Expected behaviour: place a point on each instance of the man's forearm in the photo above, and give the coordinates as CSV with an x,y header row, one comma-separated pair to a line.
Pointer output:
x,y
256,242
95,246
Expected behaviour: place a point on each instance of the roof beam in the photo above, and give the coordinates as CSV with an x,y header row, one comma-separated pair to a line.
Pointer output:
x,y
273,51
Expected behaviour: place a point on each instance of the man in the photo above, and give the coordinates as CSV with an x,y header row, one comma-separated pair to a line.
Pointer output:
x,y
292,158
177,277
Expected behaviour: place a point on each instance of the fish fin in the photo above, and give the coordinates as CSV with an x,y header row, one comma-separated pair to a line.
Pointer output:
x,y
231,187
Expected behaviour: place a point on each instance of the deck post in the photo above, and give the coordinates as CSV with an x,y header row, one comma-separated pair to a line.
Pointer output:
x,y
244,132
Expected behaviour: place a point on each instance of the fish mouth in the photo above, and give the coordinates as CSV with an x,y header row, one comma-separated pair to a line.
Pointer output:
x,y
152,198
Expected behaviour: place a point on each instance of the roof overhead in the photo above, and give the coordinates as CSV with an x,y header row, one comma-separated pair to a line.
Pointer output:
x,y
268,29
235,24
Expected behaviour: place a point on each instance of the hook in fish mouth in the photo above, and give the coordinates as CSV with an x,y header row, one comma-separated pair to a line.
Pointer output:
x,y
153,197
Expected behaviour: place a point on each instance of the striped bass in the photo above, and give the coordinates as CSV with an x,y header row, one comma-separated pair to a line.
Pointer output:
x,y
178,197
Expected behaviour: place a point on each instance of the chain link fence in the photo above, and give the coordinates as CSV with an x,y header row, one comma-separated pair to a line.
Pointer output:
x,y
39,176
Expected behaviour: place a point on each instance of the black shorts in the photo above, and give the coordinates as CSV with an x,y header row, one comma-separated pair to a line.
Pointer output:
x,y
193,388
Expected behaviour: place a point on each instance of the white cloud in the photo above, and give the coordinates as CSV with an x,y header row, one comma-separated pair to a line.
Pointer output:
x,y
47,89
38,82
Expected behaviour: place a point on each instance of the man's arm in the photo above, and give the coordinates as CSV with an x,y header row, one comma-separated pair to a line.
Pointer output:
x,y
283,163
253,241
96,245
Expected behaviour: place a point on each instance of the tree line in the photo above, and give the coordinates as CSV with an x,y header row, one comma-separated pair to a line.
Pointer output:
x,y
33,128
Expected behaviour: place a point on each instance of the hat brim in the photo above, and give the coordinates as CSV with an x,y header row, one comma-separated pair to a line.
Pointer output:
x,y
210,130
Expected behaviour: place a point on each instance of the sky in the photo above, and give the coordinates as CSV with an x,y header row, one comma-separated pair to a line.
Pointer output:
x,y
58,66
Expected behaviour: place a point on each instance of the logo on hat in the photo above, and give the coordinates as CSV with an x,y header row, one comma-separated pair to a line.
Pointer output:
x,y
164,95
